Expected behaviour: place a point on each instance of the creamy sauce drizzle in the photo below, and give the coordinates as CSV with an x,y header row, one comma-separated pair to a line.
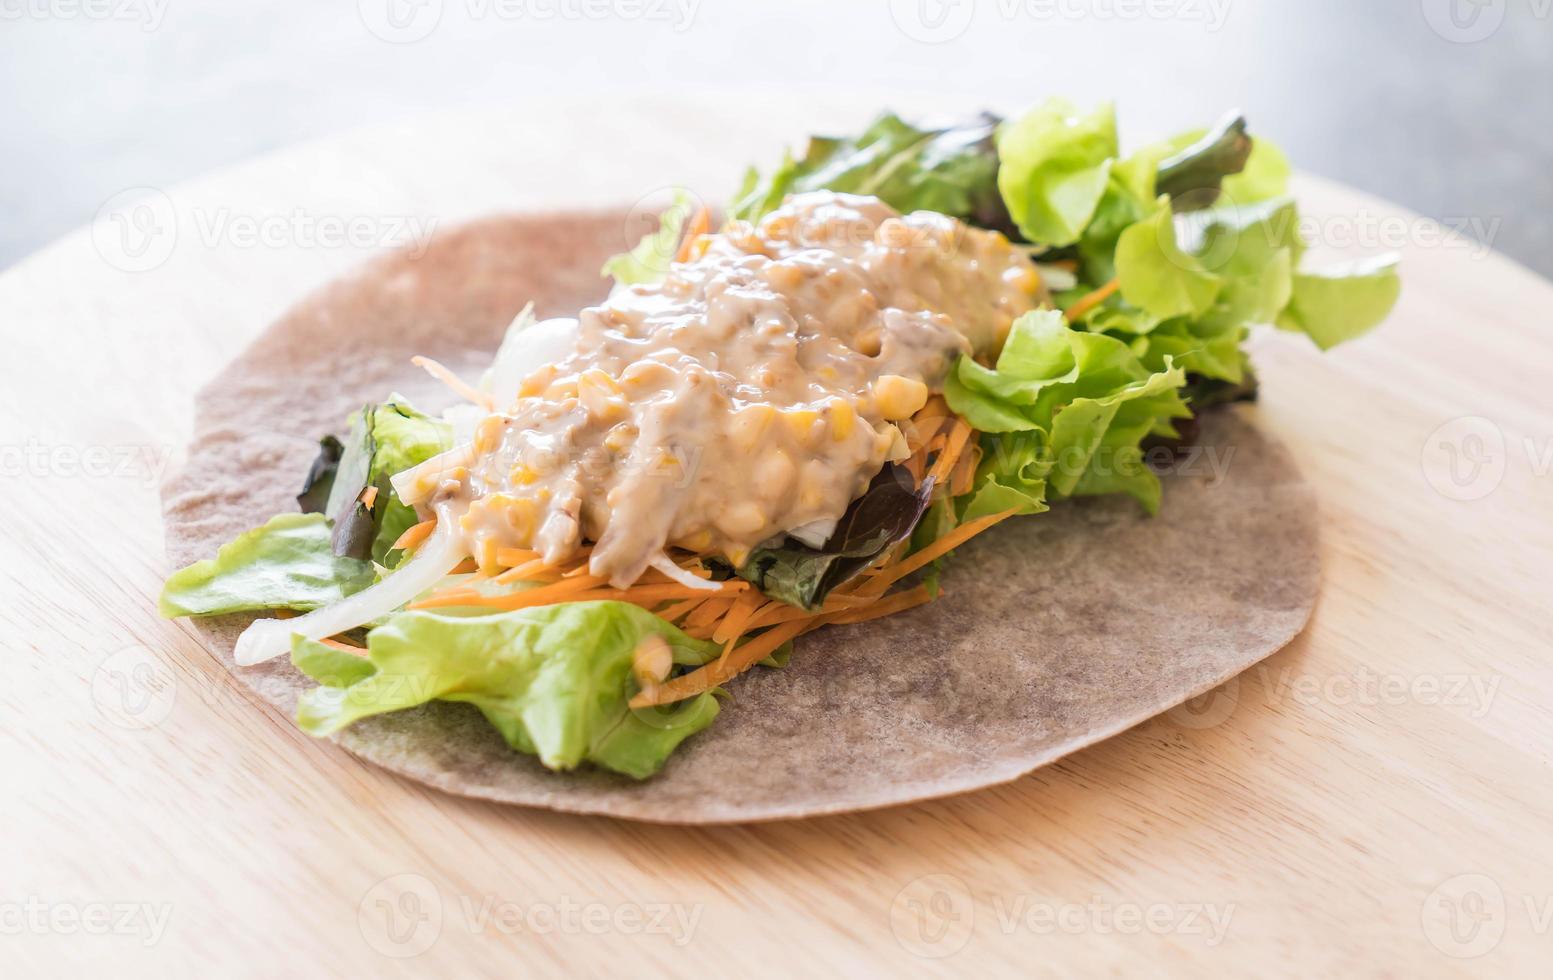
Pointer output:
x,y
752,391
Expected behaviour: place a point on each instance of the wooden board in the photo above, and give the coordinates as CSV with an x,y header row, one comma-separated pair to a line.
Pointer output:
x,y
1376,798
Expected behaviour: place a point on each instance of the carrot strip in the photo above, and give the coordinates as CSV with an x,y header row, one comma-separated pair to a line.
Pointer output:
x,y
679,609
459,385
954,445
885,578
733,625
528,572
699,225
542,596
709,612
413,536
721,669
1092,300
961,479
900,602
341,645
513,557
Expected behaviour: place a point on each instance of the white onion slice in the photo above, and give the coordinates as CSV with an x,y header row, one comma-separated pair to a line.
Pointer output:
x,y
815,533
414,485
267,639
528,346
664,564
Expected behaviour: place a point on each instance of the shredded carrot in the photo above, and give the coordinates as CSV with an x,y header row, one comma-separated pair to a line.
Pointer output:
x,y
722,669
542,596
513,557
899,602
1091,301
679,609
342,645
415,535
954,444
368,497
699,225
709,612
459,385
885,578
964,474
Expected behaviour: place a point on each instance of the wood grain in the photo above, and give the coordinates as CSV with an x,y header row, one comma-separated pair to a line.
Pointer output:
x,y
1330,810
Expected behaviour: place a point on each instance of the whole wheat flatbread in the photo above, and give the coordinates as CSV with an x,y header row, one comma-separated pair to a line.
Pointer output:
x,y
1055,631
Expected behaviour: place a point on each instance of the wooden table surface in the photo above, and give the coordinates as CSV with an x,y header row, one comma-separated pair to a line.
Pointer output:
x,y
1374,799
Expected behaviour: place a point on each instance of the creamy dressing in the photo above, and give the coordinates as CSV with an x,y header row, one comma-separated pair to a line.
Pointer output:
x,y
752,391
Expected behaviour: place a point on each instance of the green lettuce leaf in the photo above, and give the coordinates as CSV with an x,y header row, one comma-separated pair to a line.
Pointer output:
x,y
555,681
1341,303
1064,413
649,261
951,170
385,439
286,564
1054,168
1157,275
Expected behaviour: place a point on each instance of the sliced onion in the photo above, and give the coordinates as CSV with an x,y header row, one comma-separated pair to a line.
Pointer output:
x,y
815,533
528,346
664,564
414,485
267,639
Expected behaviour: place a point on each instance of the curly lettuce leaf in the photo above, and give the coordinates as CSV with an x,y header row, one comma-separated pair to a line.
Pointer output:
x,y
1063,413
287,563
1341,303
555,681
950,169
649,261
1054,166
1157,275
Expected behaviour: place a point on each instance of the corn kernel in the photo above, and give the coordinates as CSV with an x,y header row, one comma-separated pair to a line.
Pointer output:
x,y
537,382
841,416
749,425
699,541
651,661
741,520
523,474
600,379
488,433
1026,280
559,391
487,556
801,422
599,393
899,398
646,374
620,437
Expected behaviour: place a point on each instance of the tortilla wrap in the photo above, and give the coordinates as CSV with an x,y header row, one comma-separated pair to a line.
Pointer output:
x,y
1054,631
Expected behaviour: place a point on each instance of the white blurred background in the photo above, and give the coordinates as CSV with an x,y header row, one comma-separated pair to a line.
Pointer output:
x,y
1445,106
